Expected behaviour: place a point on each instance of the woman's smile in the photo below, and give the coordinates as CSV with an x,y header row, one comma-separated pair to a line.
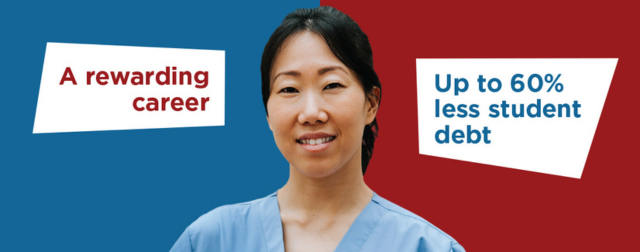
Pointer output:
x,y
315,142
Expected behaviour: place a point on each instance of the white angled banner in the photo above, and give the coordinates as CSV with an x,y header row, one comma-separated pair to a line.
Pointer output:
x,y
536,115
103,87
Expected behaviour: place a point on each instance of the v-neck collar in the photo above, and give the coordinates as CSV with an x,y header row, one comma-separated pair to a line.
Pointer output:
x,y
353,240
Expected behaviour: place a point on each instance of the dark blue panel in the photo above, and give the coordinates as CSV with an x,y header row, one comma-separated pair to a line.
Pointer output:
x,y
132,190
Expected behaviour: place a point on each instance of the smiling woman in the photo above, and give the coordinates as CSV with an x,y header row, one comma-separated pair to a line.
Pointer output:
x,y
313,96
321,96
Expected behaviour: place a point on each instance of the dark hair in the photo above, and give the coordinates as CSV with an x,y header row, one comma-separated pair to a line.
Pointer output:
x,y
346,40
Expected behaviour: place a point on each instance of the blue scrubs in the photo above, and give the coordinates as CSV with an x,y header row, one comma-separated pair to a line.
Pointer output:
x,y
256,226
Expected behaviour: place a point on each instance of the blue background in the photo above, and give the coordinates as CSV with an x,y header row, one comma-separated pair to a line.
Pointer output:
x,y
132,190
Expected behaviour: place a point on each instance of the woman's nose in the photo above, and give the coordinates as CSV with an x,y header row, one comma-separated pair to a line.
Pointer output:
x,y
312,110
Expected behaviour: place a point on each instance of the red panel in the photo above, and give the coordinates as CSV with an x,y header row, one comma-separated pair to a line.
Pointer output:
x,y
488,208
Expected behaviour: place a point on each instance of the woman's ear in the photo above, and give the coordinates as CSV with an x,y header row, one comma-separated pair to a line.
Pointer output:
x,y
373,102
269,122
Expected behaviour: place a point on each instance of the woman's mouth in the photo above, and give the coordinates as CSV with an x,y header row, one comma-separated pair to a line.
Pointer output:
x,y
317,144
316,141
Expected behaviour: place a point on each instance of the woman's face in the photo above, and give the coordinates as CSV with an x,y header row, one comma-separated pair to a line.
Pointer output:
x,y
317,107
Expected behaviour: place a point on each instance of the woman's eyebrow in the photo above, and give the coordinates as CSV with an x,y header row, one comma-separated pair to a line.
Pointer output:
x,y
331,68
321,71
292,73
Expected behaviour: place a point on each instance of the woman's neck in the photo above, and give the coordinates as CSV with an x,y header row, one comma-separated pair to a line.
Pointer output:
x,y
343,192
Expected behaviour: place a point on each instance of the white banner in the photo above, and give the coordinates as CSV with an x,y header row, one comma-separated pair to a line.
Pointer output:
x,y
103,87
531,114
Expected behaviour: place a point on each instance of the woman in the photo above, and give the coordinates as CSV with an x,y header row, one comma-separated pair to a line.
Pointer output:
x,y
321,95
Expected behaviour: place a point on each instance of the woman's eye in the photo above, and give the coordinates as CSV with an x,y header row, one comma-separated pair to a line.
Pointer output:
x,y
288,90
333,85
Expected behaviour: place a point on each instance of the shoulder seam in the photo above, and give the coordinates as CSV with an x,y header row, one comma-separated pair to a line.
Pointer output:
x,y
453,244
453,241
246,203
189,236
264,236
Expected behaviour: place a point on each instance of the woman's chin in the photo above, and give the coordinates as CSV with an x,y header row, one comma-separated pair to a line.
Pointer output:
x,y
317,172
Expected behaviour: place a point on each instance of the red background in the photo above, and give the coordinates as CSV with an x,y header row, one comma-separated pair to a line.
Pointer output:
x,y
489,208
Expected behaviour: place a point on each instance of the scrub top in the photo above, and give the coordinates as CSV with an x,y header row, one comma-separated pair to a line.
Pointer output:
x,y
256,226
